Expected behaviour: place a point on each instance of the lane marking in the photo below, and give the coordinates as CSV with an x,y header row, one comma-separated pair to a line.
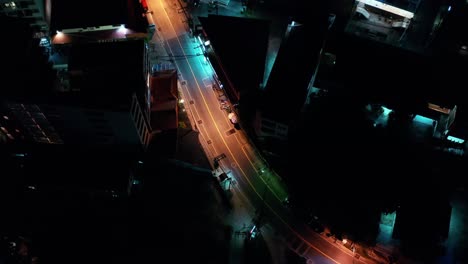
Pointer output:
x,y
234,158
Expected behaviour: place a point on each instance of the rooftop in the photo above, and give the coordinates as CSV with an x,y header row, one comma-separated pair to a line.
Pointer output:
x,y
105,73
241,45
294,67
23,57
398,77
88,13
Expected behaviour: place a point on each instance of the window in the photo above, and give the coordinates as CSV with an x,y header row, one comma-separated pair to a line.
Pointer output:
x,y
10,5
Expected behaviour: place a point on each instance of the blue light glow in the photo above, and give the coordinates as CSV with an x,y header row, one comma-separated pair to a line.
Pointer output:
x,y
424,120
386,111
455,139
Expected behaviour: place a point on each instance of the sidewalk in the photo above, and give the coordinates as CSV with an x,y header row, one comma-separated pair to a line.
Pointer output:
x,y
361,253
264,248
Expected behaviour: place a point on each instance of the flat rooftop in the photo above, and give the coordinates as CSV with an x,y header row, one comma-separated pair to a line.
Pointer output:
x,y
286,89
88,13
241,45
106,73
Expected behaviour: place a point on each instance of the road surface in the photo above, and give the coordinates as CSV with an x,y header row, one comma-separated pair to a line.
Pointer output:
x,y
252,180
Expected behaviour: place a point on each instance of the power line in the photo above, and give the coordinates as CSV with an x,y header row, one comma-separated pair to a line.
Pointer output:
x,y
188,55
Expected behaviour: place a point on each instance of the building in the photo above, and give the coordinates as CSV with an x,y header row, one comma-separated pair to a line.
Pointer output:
x,y
164,115
32,11
406,24
289,82
411,229
382,21
82,16
95,58
22,56
105,22
105,102
237,51
87,55
87,21
448,32
108,83
164,98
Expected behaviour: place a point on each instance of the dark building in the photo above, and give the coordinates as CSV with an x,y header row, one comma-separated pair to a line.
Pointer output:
x,y
449,30
164,110
164,98
403,23
105,101
290,79
237,52
87,21
99,94
411,229
25,72
32,12
79,16
449,43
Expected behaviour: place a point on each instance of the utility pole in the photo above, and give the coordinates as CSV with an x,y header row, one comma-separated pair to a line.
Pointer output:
x,y
188,17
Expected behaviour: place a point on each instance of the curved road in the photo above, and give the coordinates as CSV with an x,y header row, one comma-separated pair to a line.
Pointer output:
x,y
251,178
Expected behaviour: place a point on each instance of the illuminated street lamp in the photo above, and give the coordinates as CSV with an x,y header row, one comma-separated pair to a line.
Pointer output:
x,y
122,29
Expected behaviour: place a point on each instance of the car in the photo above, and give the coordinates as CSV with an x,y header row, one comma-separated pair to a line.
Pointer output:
x,y
233,118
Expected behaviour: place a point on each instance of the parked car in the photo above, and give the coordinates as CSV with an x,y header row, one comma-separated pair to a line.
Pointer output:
x,y
233,118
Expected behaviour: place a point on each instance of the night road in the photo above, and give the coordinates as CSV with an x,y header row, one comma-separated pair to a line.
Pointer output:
x,y
252,184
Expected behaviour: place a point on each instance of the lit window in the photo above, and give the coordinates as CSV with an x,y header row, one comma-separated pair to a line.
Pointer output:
x,y
11,5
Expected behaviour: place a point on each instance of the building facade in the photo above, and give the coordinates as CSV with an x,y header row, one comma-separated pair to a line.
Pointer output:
x,y
32,11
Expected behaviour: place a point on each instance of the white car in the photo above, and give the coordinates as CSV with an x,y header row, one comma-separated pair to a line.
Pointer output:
x,y
233,118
